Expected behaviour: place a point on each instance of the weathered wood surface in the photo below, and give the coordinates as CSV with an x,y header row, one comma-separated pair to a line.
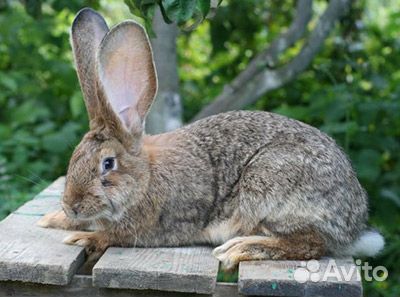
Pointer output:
x,y
33,254
189,269
81,286
280,278
55,190
35,262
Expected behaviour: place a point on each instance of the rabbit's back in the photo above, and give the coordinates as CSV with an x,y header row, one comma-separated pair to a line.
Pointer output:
x,y
230,141
271,170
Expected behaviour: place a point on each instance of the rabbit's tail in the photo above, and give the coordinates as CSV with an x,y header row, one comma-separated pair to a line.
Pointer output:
x,y
370,243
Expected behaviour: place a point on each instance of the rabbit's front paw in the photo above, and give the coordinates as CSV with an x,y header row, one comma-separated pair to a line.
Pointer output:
x,y
95,243
59,220
55,219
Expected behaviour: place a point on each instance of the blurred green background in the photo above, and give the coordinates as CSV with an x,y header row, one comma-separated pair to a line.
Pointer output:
x,y
351,91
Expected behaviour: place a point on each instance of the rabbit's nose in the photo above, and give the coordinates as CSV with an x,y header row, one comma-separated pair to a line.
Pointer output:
x,y
75,208
70,211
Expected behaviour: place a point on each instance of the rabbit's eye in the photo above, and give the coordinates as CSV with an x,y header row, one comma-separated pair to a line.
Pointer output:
x,y
108,164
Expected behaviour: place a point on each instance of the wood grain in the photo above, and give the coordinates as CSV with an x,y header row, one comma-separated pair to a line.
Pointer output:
x,y
33,254
55,190
189,269
81,286
277,278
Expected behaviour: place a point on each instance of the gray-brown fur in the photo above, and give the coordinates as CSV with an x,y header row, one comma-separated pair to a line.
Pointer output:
x,y
260,167
267,185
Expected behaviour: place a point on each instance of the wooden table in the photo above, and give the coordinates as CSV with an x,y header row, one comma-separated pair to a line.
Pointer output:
x,y
35,262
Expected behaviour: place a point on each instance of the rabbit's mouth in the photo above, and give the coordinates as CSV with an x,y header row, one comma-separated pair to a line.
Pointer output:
x,y
68,211
114,210
104,213
90,213
107,211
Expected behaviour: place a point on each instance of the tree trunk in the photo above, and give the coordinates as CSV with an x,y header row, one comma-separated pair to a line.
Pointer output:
x,y
166,111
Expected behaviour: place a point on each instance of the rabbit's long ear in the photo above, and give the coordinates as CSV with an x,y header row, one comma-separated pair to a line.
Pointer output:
x,y
127,75
88,30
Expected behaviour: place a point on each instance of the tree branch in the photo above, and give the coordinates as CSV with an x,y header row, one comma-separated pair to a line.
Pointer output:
x,y
257,79
269,57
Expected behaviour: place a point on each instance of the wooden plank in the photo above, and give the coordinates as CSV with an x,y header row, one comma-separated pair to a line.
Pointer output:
x,y
33,254
189,269
281,278
81,286
55,190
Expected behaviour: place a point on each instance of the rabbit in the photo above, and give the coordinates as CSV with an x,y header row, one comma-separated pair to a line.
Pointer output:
x,y
256,184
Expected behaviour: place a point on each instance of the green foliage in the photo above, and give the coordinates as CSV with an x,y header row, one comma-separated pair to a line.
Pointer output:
x,y
41,108
228,276
186,13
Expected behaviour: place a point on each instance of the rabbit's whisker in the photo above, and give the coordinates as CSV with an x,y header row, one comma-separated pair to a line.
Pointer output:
x,y
27,179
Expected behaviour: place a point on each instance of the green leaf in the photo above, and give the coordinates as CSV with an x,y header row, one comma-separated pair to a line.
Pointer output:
x,y
297,112
76,104
5,132
199,14
391,195
8,82
164,15
149,20
134,7
4,5
336,128
204,6
141,8
61,141
179,10
28,113
44,128
367,163
145,10
33,7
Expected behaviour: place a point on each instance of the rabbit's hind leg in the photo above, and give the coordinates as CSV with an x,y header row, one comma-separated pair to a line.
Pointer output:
x,y
298,246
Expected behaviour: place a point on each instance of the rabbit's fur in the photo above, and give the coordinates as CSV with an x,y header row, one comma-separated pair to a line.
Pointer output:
x,y
265,185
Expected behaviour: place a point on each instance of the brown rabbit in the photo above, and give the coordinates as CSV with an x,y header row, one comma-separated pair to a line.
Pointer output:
x,y
262,185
